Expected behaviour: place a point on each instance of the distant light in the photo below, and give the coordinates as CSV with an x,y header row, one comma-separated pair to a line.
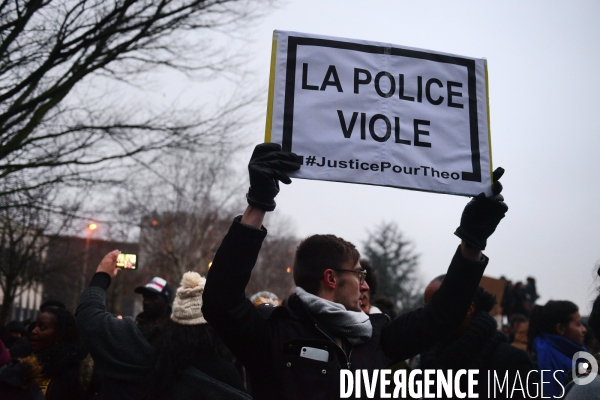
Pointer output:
x,y
209,265
92,227
288,270
154,222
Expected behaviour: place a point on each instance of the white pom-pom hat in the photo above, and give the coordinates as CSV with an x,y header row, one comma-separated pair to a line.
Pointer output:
x,y
187,307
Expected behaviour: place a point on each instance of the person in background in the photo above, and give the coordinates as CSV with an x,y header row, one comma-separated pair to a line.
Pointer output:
x,y
51,303
521,303
508,298
591,390
591,342
157,296
22,347
531,292
519,326
18,343
15,331
265,297
386,306
4,354
367,301
66,369
188,345
20,380
131,366
265,302
555,335
478,344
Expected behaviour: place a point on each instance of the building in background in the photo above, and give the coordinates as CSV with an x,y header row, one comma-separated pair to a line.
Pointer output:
x,y
66,258
26,304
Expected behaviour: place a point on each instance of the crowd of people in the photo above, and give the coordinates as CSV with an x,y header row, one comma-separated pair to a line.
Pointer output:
x,y
209,340
519,298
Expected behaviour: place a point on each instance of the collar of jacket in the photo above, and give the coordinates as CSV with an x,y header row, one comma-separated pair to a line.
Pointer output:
x,y
295,309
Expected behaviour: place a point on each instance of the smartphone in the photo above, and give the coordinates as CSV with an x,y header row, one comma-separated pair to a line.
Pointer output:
x,y
127,261
314,354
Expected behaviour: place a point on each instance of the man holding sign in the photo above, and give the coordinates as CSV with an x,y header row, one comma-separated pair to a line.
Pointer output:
x,y
320,333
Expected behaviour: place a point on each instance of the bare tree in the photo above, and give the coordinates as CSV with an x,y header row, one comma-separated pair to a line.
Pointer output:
x,y
25,232
273,270
176,242
49,48
185,205
396,264
187,210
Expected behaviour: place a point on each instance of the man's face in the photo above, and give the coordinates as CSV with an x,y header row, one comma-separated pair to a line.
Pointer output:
x,y
349,291
155,305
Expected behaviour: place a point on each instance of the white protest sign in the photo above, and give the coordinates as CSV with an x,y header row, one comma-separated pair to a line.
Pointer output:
x,y
380,114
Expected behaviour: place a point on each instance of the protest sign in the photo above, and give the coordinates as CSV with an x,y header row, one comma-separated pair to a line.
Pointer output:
x,y
380,114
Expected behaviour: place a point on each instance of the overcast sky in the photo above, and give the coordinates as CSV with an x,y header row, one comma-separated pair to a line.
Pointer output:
x,y
544,91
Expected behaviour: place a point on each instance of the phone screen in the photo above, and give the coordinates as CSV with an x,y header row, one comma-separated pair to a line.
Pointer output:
x,y
127,261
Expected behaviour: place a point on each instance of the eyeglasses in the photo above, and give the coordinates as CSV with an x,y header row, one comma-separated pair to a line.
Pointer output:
x,y
362,274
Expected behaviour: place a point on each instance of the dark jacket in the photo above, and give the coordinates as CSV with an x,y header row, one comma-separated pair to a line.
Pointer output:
x,y
68,373
484,348
62,371
196,385
221,370
19,380
270,348
125,358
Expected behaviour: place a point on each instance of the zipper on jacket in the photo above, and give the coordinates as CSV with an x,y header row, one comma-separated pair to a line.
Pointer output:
x,y
333,341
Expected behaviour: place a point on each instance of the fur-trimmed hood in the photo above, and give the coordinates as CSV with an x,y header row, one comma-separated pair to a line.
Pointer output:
x,y
22,373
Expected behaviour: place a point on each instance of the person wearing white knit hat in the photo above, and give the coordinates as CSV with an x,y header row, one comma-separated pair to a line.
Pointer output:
x,y
187,307
184,360
189,342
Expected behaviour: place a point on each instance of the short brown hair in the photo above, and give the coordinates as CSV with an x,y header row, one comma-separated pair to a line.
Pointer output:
x,y
317,253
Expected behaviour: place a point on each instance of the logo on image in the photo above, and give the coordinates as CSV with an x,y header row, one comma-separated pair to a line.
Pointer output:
x,y
585,368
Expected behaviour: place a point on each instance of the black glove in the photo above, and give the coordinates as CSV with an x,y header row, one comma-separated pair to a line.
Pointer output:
x,y
268,166
482,215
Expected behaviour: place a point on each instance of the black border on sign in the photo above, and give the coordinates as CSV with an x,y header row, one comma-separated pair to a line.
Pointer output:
x,y
290,84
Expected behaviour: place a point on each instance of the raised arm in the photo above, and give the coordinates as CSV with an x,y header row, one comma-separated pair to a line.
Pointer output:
x,y
253,217
414,332
226,307
117,346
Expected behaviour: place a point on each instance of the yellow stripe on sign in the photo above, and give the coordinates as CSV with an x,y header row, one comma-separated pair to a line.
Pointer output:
x,y
269,123
487,100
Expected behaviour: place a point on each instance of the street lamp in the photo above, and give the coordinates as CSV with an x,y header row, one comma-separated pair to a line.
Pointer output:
x,y
90,228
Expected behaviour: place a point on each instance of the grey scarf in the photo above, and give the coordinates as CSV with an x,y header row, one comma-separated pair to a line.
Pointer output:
x,y
352,325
